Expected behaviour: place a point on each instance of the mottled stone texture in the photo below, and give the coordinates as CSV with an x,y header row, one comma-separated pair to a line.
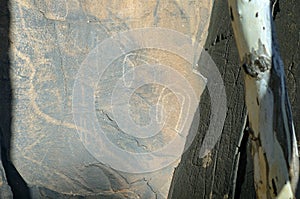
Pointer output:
x,y
48,40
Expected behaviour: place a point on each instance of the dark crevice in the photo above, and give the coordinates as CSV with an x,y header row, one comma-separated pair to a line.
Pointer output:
x,y
257,101
274,187
275,8
17,184
220,37
231,14
241,173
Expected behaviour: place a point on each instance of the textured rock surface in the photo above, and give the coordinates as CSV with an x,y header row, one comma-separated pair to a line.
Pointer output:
x,y
191,178
49,40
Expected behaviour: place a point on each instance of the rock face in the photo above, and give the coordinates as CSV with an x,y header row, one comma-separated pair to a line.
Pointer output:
x,y
231,167
48,42
50,39
5,98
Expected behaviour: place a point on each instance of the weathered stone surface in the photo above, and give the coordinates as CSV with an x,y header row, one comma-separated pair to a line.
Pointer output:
x,y
197,177
192,178
49,41
287,29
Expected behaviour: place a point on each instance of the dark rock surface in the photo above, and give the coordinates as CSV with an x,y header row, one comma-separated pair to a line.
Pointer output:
x,y
191,179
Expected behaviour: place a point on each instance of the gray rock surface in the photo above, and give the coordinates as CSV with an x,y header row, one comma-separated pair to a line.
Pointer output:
x,y
49,41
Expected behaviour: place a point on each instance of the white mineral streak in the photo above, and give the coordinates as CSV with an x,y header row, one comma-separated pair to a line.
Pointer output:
x,y
275,174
